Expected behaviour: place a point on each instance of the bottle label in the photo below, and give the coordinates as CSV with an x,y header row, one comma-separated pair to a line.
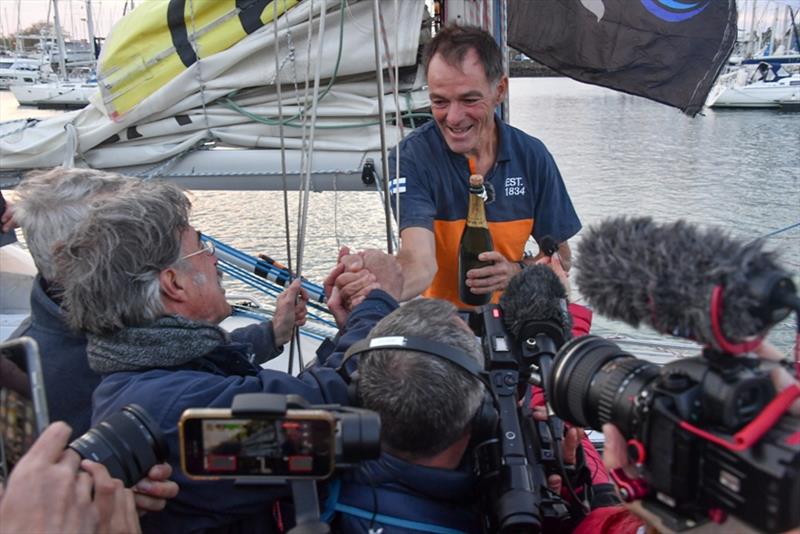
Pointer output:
x,y
476,216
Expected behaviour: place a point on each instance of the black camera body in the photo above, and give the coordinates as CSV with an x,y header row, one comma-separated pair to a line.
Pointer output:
x,y
514,455
687,428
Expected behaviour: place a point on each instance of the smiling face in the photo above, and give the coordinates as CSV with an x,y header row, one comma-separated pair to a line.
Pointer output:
x,y
202,281
463,101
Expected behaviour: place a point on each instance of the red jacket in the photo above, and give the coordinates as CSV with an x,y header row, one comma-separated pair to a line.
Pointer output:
x,y
581,323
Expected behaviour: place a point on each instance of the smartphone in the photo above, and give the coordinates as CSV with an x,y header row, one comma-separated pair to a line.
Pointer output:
x,y
23,405
298,444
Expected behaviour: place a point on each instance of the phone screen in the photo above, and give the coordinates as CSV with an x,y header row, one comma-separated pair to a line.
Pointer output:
x,y
288,447
23,407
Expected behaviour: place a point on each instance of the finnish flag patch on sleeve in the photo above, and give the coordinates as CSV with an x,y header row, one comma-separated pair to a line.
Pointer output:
x,y
398,185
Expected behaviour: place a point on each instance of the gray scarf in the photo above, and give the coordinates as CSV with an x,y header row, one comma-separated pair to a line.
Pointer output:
x,y
167,342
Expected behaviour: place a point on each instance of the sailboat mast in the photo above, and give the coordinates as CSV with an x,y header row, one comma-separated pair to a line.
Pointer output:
x,y
753,32
90,27
62,50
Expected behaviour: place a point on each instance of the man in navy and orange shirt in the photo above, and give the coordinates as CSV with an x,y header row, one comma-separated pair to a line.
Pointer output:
x,y
466,83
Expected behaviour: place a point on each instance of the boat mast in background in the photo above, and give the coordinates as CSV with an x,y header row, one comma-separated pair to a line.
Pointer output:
x,y
62,49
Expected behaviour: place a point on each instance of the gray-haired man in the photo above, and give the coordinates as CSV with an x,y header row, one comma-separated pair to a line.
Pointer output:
x,y
143,286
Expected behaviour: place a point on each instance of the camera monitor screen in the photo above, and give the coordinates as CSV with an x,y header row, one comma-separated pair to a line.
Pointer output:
x,y
290,446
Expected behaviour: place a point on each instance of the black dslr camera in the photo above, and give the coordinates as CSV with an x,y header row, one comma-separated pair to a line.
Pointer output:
x,y
709,434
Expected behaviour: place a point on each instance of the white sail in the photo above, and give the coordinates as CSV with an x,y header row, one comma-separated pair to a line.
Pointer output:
x,y
215,99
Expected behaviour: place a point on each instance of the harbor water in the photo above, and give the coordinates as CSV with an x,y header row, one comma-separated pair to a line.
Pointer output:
x,y
619,155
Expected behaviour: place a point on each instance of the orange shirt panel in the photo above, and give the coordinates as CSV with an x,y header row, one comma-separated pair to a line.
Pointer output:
x,y
509,238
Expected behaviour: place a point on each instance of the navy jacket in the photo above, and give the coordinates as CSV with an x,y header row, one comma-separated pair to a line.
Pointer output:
x,y
166,393
404,498
68,380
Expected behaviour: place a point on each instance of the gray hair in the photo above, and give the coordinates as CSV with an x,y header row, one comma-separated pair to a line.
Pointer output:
x,y
51,203
425,403
111,264
454,41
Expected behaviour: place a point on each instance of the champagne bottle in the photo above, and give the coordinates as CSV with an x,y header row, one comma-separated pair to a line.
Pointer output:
x,y
475,240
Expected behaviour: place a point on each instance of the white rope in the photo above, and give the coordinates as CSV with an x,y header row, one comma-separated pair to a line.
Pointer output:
x,y
396,92
376,9
278,92
303,103
294,346
198,72
303,219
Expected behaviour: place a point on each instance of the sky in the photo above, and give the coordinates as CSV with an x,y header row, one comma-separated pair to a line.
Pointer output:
x,y
106,12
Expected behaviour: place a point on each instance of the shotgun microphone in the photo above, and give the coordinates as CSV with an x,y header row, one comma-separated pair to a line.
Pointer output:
x,y
536,299
684,281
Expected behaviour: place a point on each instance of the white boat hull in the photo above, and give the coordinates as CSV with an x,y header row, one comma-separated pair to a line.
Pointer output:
x,y
756,95
56,94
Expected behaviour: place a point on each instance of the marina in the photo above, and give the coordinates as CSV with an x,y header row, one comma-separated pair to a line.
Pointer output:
x,y
275,121
738,170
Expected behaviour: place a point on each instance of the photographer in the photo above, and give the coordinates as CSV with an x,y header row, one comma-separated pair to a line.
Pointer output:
x,y
146,290
422,479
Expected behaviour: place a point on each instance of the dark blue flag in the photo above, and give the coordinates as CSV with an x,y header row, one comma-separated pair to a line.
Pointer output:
x,y
670,51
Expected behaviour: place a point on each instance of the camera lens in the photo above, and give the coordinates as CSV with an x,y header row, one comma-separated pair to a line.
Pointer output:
x,y
595,382
128,443
359,436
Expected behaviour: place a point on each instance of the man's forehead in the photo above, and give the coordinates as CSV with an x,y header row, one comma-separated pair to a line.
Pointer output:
x,y
469,60
190,234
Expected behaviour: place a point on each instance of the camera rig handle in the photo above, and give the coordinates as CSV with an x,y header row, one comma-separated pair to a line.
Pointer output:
x,y
304,492
246,404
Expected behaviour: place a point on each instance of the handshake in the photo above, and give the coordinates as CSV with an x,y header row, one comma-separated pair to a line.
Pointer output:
x,y
355,275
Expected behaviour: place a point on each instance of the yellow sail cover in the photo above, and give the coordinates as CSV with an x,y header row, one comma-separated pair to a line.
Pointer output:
x,y
162,38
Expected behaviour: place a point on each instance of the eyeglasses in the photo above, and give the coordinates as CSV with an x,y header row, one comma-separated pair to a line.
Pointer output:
x,y
205,246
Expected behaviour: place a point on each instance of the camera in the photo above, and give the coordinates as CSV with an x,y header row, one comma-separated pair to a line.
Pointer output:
x,y
128,443
513,454
269,437
705,431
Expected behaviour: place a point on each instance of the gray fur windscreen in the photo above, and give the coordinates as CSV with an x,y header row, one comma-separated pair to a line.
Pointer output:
x,y
638,271
534,295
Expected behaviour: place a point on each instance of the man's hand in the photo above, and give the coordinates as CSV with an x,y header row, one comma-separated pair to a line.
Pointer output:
x,y
114,503
493,277
151,493
354,282
334,298
569,447
554,262
45,492
386,270
290,311
365,271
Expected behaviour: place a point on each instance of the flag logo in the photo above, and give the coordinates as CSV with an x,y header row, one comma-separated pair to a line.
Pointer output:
x,y
397,185
674,10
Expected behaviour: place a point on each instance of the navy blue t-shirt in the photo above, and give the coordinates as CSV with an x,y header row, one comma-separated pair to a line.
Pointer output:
x,y
530,197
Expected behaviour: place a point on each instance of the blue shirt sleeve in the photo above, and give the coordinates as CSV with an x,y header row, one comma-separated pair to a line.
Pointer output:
x,y
554,213
417,200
